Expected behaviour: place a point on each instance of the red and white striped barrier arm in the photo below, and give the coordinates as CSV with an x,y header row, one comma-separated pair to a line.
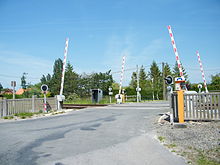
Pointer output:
x,y
202,71
176,52
64,65
122,74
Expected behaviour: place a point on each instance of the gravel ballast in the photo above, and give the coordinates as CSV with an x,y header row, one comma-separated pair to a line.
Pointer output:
x,y
199,143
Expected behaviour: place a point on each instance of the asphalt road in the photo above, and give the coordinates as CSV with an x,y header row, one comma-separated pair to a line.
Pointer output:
x,y
117,134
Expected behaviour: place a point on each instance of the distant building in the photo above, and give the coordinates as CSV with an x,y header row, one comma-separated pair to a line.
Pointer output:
x,y
7,92
20,91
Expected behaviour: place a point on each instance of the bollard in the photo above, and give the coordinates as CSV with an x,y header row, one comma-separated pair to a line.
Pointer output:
x,y
123,98
180,106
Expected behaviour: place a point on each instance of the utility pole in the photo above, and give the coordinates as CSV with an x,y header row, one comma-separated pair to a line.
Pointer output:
x,y
137,85
164,85
13,84
153,86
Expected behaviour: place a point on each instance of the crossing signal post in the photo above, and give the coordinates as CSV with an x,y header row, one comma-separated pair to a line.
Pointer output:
x,y
44,89
110,94
200,87
169,82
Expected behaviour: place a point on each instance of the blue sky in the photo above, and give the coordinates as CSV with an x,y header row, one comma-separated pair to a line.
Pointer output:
x,y
33,32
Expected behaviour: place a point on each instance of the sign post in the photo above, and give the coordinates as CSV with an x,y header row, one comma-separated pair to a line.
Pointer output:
x,y
44,89
200,87
13,84
110,94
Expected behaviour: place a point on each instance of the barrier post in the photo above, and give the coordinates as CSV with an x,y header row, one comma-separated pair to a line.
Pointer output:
x,y
180,106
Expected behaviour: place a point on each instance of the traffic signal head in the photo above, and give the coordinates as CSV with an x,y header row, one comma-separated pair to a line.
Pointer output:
x,y
169,80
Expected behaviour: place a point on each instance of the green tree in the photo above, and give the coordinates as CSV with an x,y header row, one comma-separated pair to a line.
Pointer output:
x,y
1,87
167,70
48,77
23,81
71,81
156,80
84,85
215,82
56,77
133,83
115,88
102,81
176,72
142,78
143,81
43,80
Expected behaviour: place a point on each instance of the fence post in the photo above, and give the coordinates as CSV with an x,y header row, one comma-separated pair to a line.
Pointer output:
x,y
180,106
5,108
55,101
33,103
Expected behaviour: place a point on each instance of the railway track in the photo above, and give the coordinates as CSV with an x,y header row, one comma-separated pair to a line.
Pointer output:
x,y
81,106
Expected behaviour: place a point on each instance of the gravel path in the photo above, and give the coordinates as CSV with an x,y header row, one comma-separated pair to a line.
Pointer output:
x,y
199,143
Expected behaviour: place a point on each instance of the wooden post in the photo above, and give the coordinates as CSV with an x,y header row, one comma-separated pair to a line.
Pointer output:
x,y
5,108
180,106
33,103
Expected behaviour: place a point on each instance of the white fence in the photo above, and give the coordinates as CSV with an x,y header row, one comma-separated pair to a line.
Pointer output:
x,y
201,106
9,106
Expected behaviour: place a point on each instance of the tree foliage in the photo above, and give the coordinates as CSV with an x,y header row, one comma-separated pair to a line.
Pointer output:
x,y
56,77
80,85
74,84
23,80
176,72
1,87
156,79
215,82
71,81
133,82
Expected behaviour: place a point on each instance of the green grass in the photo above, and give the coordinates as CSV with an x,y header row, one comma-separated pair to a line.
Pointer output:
x,y
203,160
27,114
161,138
8,117
171,145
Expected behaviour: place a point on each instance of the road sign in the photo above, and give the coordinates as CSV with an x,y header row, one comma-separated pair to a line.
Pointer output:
x,y
169,80
44,87
138,89
110,93
199,86
13,83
